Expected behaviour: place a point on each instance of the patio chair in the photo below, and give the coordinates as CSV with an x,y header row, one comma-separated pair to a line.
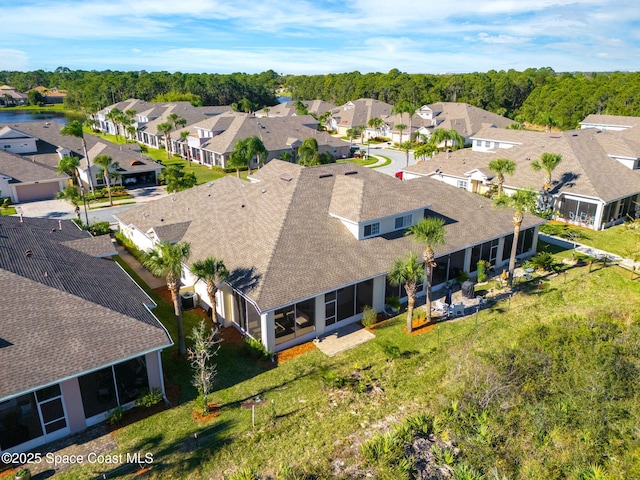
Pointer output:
x,y
456,310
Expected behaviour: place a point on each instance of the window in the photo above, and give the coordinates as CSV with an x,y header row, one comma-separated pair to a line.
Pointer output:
x,y
487,143
6,147
496,144
478,143
462,184
372,229
403,222
295,320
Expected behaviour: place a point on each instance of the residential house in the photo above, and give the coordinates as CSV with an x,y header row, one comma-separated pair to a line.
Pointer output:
x,y
461,117
308,247
212,140
77,338
596,185
44,145
51,96
610,122
357,113
10,97
288,109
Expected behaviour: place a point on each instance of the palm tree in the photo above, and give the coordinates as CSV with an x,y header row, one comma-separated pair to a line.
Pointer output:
x,y
429,231
406,147
408,272
502,166
115,116
440,135
522,201
400,127
213,272
74,129
402,108
266,110
166,261
165,128
184,134
425,150
257,149
109,170
376,123
308,153
548,162
69,165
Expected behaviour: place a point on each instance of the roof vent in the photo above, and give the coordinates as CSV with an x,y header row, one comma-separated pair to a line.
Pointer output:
x,y
351,172
264,190
28,253
325,175
286,177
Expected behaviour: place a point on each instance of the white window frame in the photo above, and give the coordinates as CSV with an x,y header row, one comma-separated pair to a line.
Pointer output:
x,y
462,184
405,221
374,229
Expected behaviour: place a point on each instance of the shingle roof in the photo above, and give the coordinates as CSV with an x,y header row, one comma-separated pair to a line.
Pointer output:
x,y
62,311
23,169
612,120
280,242
586,167
50,140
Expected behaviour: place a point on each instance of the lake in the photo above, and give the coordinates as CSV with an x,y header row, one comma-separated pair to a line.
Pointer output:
x,y
18,116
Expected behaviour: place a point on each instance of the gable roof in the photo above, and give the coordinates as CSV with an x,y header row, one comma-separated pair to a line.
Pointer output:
x,y
24,169
63,310
280,242
587,167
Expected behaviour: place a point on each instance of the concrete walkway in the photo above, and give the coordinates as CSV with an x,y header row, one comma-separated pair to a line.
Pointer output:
x,y
343,339
151,281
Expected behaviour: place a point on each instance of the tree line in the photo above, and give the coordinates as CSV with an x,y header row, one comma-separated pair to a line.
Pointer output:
x,y
535,95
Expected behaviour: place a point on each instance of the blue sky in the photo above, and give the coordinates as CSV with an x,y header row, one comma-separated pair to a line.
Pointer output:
x,y
321,36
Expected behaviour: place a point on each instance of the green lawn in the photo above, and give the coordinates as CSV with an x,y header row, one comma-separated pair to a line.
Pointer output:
x,y
543,385
7,211
614,240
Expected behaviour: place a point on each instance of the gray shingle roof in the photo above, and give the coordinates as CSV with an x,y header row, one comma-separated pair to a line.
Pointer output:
x,y
586,168
280,242
63,312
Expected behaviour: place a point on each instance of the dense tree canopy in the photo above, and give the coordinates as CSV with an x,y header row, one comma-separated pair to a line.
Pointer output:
x,y
561,99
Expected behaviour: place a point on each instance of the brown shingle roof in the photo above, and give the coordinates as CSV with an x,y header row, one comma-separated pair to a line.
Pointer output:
x,y
280,242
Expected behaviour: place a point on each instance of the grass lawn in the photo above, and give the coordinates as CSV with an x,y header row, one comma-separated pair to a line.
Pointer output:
x,y
7,211
614,240
538,386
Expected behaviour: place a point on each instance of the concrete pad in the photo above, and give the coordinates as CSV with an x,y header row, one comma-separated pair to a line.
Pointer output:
x,y
343,339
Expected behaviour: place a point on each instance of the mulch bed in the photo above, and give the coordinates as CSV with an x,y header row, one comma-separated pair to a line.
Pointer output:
x,y
293,352
213,411
136,414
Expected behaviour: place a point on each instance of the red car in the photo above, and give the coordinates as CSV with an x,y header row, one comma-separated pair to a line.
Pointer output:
x,y
399,175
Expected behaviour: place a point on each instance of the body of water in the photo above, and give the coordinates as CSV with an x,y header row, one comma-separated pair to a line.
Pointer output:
x,y
18,116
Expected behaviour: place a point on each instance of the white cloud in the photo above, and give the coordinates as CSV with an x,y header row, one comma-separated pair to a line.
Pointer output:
x,y
11,59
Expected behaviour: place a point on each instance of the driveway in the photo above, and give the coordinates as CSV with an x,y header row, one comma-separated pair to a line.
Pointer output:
x,y
63,209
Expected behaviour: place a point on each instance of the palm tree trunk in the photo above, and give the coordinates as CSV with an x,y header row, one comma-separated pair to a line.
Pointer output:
x,y
106,177
517,223
411,301
86,155
427,280
211,291
177,307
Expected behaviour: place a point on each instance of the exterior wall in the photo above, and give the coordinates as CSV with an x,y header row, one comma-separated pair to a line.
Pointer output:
x,y
73,405
19,145
154,371
486,145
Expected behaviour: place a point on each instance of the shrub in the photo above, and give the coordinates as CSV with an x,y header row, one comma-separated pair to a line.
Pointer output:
x,y
391,350
99,228
129,246
149,398
483,266
369,316
393,302
543,261
115,415
462,277
255,349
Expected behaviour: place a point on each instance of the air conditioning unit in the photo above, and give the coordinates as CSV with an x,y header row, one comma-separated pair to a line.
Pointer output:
x,y
189,300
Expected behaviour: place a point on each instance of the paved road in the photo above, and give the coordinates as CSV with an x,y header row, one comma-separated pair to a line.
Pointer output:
x,y
398,158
